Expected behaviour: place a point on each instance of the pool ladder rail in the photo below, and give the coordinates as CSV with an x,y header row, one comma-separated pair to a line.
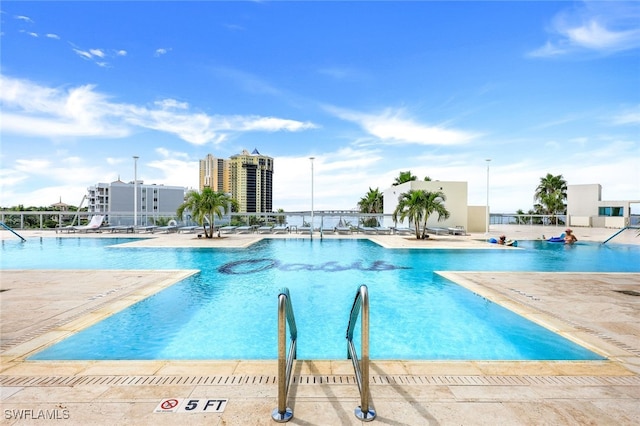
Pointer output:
x,y
282,413
361,303
620,232
8,228
364,412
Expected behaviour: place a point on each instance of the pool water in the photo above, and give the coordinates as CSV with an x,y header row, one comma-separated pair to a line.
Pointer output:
x,y
229,309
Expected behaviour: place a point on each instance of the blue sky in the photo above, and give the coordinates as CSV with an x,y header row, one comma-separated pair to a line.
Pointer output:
x,y
369,89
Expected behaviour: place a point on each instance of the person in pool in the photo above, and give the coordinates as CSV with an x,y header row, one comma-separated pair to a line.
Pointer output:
x,y
569,238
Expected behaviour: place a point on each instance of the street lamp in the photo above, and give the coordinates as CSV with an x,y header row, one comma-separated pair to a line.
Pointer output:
x,y
488,160
135,190
311,232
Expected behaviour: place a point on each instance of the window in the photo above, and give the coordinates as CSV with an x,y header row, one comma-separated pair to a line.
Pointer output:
x,y
611,211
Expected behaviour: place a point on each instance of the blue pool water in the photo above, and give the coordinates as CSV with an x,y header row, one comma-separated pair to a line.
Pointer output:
x,y
229,309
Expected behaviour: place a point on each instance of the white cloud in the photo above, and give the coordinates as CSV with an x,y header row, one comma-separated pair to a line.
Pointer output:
x,y
171,103
24,18
271,124
31,33
161,51
83,53
53,36
391,127
31,109
627,117
98,55
177,171
602,27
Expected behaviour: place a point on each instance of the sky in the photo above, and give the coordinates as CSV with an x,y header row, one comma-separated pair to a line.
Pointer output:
x,y
369,89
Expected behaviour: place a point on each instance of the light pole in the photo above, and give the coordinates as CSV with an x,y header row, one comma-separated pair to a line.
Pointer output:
x,y
311,231
135,190
488,160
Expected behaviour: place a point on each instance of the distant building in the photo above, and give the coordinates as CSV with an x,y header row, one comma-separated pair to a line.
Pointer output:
x,y
456,203
60,206
116,199
215,174
585,207
251,177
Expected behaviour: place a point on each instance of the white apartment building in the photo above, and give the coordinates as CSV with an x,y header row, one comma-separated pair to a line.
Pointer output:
x,y
116,199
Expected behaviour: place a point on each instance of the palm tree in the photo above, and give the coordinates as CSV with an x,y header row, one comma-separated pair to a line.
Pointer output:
x,y
204,206
551,196
404,177
372,202
417,205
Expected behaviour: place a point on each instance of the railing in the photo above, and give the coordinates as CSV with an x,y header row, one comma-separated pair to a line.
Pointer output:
x,y
364,411
619,232
283,413
11,230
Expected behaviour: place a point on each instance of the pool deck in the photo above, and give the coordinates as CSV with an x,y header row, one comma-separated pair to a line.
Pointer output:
x,y
598,310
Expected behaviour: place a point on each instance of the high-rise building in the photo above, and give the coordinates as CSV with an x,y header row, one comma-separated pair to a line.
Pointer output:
x,y
252,181
214,174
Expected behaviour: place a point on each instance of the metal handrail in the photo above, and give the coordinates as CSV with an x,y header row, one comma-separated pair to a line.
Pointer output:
x,y
282,413
361,302
619,232
8,228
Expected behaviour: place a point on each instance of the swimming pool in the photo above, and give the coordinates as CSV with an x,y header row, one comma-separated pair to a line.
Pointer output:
x,y
228,311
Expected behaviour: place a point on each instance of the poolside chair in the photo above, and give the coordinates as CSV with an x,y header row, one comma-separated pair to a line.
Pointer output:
x,y
280,229
405,231
146,228
304,229
368,230
93,226
458,230
167,229
383,230
265,229
244,229
228,229
327,230
117,228
343,230
440,231
189,229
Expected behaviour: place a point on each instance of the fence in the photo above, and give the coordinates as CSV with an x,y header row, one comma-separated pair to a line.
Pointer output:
x,y
321,219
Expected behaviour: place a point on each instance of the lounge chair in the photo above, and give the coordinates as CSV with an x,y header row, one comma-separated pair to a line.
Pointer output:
x,y
228,229
368,230
458,230
189,229
439,231
280,229
167,229
265,229
404,231
327,230
93,226
304,229
118,228
244,229
343,230
383,230
146,228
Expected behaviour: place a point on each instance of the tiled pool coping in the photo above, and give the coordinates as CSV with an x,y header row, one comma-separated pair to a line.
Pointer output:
x,y
585,307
